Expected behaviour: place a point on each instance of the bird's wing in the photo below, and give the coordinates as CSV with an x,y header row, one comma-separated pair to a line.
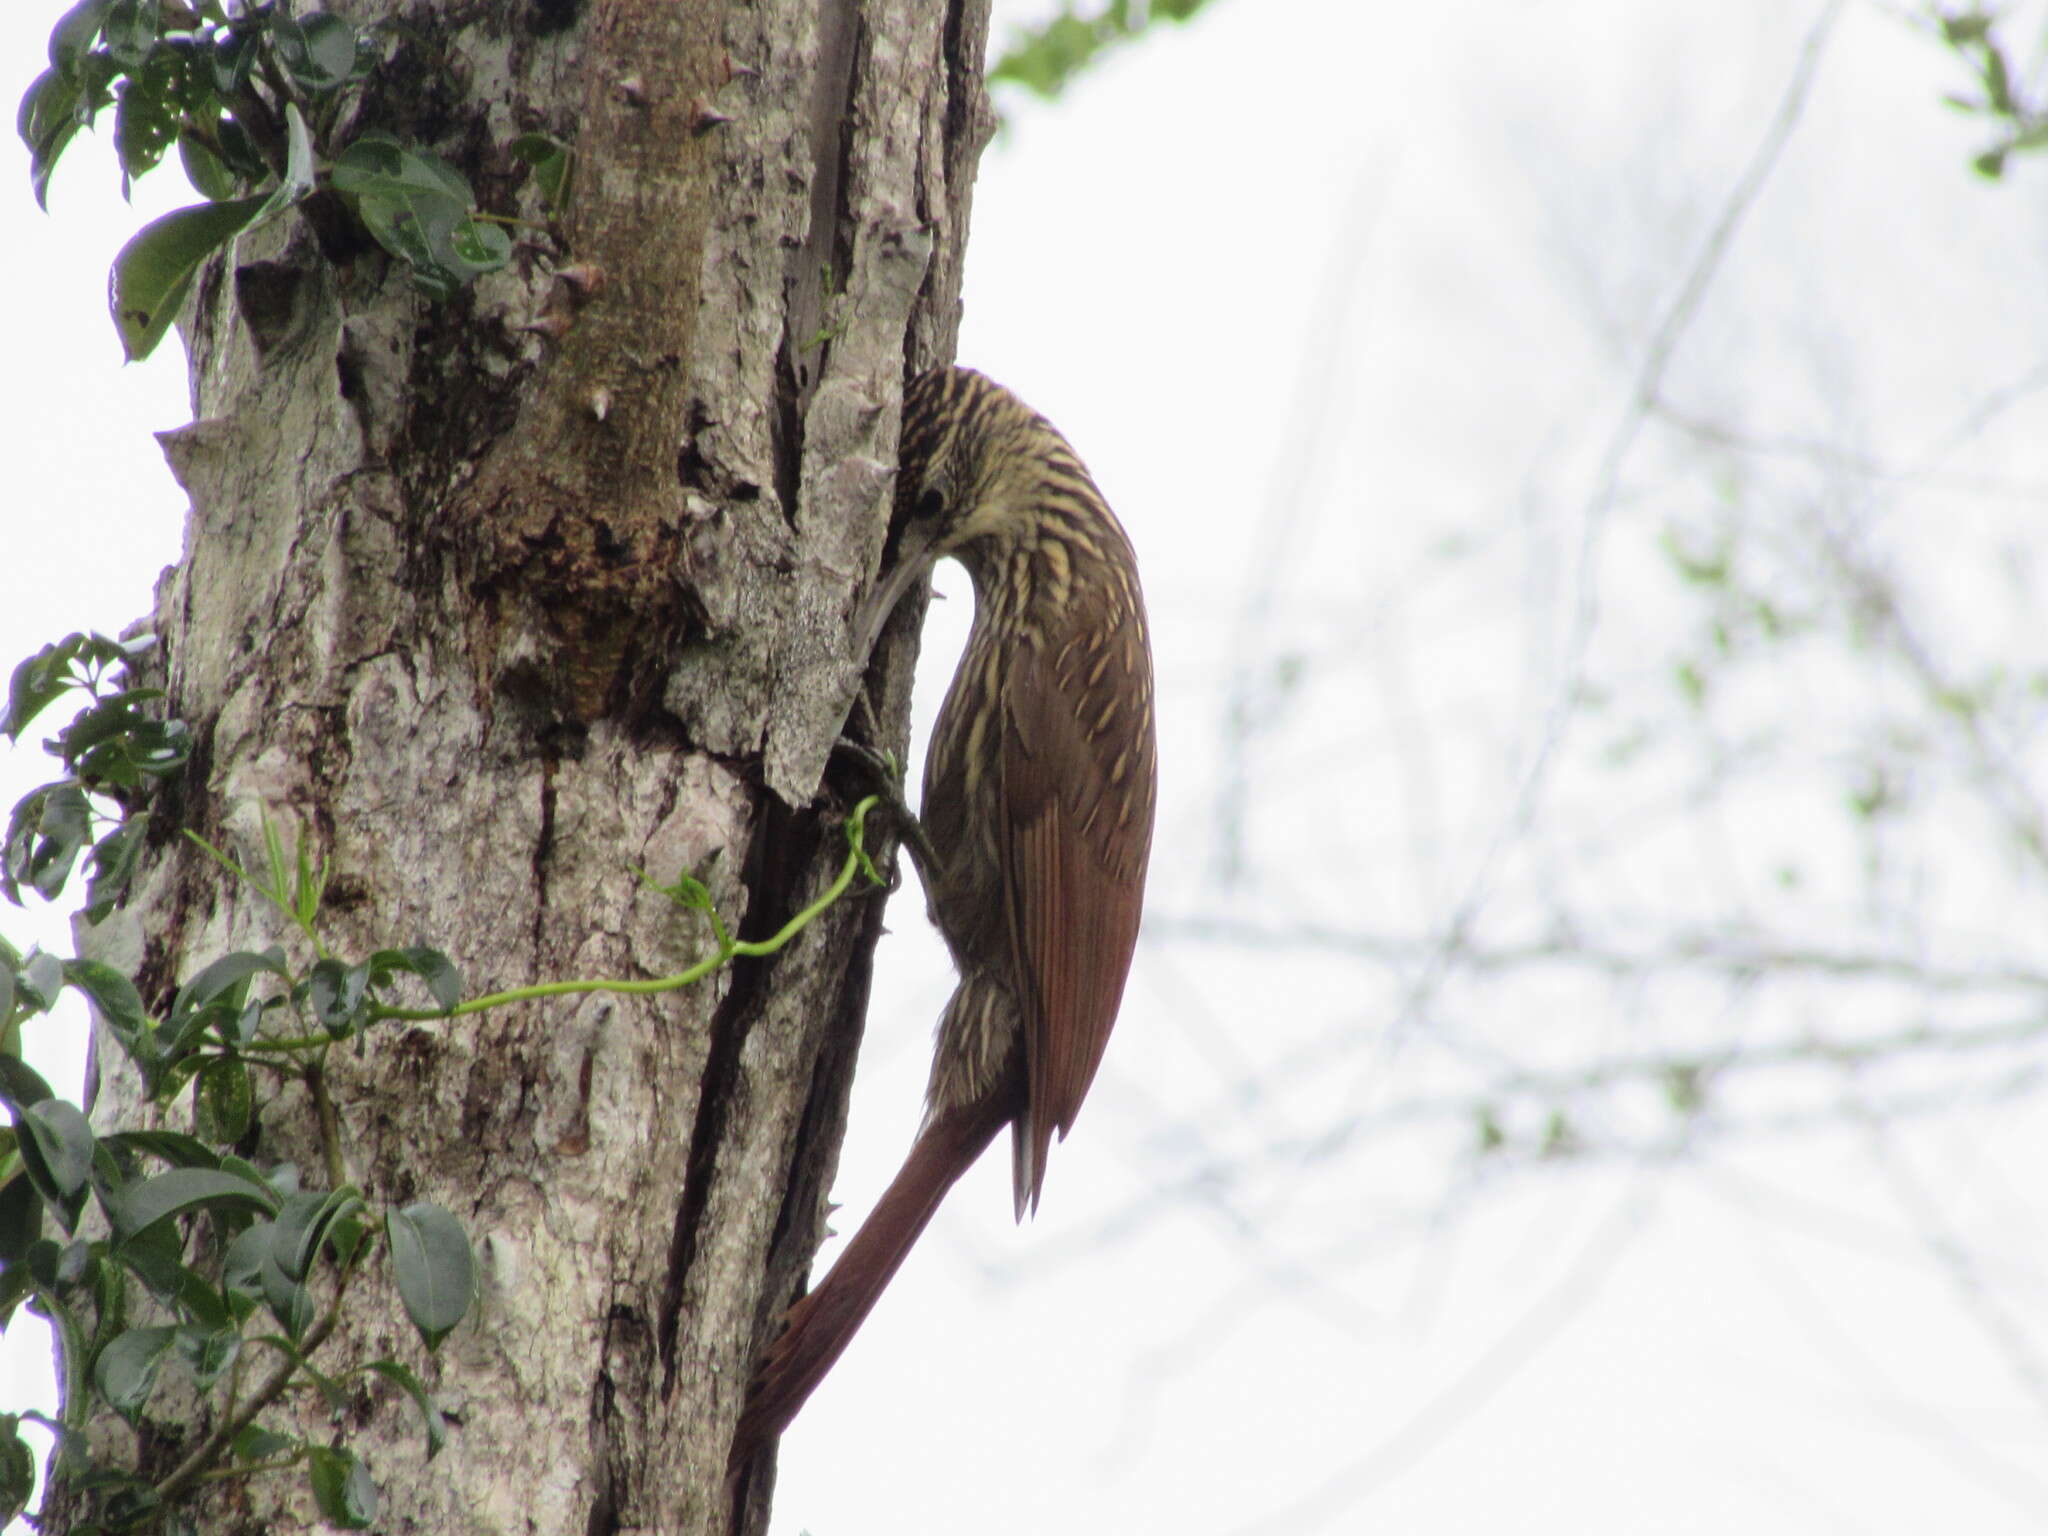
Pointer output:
x,y
1079,780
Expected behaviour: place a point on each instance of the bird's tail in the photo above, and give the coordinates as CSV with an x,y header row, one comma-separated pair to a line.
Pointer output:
x,y
819,1327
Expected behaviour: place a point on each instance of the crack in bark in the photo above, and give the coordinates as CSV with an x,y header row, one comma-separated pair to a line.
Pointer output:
x,y
824,1112
603,1517
958,100
783,847
543,850
787,438
824,250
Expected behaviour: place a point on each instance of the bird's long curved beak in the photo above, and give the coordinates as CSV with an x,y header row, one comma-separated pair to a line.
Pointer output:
x,y
914,558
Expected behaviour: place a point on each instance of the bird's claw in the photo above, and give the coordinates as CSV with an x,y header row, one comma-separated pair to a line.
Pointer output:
x,y
886,780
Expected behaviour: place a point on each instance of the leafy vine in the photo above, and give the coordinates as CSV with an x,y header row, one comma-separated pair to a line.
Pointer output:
x,y
255,100
171,1246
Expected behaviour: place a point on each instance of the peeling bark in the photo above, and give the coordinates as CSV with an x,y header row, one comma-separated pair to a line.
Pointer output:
x,y
492,622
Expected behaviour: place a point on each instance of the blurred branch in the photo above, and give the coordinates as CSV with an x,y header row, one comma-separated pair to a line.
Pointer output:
x,y
1045,59
1260,681
1859,1358
1520,1121
1733,955
1649,386
1510,1353
2009,1337
1645,389
1837,459
2004,780
2016,110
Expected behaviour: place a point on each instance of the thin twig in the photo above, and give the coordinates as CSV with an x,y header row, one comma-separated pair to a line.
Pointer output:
x,y
188,1472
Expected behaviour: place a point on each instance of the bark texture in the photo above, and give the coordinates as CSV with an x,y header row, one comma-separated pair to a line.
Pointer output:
x,y
492,620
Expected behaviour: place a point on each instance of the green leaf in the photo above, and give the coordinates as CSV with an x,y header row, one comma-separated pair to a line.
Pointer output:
x,y
282,1179
209,1352
114,858
49,828
131,28
241,1270
336,992
66,828
17,1470
38,681
550,159
145,126
434,1266
56,1145
42,978
479,246
136,1207
21,1218
430,1415
223,1102
155,269
200,1301
417,206
218,979
289,1301
156,1257
114,745
15,1285
300,169
246,1025
317,50
21,1084
119,1005
258,1444
126,1369
47,121
303,1223
430,965
234,54
1045,60
346,1233
239,152
306,883
342,1487
1998,82
75,33
78,1263
41,1261
204,167
439,973
173,1147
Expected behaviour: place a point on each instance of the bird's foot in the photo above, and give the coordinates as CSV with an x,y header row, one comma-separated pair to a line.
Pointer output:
x,y
885,780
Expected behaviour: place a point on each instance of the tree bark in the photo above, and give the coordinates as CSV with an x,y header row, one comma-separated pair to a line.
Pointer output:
x,y
493,619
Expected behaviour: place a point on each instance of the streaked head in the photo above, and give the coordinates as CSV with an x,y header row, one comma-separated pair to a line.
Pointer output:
x,y
962,435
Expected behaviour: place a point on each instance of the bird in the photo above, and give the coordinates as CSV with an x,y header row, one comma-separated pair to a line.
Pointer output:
x,y
1039,788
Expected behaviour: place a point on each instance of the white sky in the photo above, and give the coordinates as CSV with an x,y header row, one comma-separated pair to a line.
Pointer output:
x,y
1366,284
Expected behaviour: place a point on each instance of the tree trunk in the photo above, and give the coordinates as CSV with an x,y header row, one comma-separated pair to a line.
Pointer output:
x,y
493,619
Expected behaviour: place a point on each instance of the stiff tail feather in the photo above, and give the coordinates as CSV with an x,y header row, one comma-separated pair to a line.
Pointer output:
x,y
820,1325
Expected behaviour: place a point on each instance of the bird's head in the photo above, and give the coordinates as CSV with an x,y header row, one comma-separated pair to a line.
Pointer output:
x,y
965,441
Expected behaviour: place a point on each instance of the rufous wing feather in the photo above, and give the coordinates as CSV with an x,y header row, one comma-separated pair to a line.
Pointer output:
x,y
1079,780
